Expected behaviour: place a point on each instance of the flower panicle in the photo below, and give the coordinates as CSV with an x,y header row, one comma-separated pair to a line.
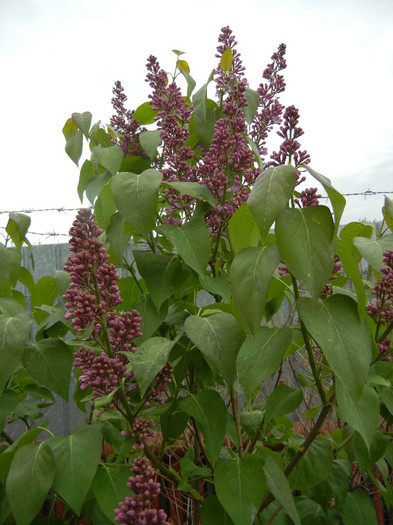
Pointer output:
x,y
269,108
225,79
91,301
381,310
137,509
174,115
125,125
289,152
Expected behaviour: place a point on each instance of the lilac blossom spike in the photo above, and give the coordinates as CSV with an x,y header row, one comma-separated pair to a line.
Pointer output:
x,y
137,509
91,300
270,110
227,169
125,125
289,152
173,117
224,79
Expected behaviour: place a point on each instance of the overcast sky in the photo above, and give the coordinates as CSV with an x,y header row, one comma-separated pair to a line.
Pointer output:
x,y
61,56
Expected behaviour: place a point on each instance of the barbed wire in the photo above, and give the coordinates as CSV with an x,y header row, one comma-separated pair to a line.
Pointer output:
x,y
38,210
367,193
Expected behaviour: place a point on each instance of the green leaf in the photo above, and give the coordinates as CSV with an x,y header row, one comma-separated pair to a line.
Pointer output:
x,y
279,487
5,265
208,409
150,140
199,100
270,195
205,128
44,293
30,477
192,241
69,128
104,207
151,317
260,356
252,104
8,454
74,146
352,230
226,59
367,457
282,401
314,466
17,227
63,280
102,138
83,122
363,414
136,197
240,485
351,268
187,466
311,513
358,509
87,172
250,275
116,236
243,230
389,206
190,82
110,487
193,189
183,66
387,212
96,184
336,484
13,334
149,359
335,325
219,338
217,286
76,458
8,401
50,362
304,239
110,157
373,251
251,421
162,274
145,114
213,513
337,200
386,394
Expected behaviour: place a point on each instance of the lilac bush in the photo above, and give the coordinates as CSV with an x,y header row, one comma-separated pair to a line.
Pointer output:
x,y
232,358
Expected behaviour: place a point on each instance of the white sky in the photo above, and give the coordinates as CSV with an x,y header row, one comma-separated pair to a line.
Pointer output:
x,y
61,56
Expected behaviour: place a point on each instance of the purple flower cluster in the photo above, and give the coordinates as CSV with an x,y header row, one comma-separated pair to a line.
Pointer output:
x,y
227,169
382,310
225,79
163,378
173,117
124,124
91,300
270,110
142,429
290,148
137,509
308,197
328,289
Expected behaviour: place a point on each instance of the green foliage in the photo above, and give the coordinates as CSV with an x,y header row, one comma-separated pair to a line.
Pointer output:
x,y
247,323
